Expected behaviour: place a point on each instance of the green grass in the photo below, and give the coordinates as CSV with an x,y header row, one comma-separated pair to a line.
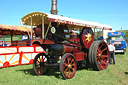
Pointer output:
x,y
23,75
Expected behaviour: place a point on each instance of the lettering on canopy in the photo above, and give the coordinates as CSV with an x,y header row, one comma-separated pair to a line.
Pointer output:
x,y
66,22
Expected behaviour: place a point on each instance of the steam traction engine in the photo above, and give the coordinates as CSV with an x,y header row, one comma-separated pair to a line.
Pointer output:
x,y
64,48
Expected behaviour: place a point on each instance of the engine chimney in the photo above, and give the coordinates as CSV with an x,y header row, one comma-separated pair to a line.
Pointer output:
x,y
54,7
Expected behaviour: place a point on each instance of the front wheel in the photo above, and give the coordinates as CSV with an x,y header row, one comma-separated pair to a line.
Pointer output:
x,y
68,66
38,64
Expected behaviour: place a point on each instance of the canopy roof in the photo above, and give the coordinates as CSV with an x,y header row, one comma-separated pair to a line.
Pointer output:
x,y
7,29
35,18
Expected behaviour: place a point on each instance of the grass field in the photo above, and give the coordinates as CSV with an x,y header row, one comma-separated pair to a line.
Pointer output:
x,y
23,75
8,38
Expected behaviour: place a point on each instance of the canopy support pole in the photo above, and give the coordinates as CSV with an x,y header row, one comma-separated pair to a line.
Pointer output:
x,y
102,32
11,37
94,33
48,29
27,31
42,26
31,29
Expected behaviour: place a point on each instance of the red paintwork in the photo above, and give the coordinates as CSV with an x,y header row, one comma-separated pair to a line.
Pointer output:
x,y
70,49
20,58
76,48
6,64
39,40
19,43
43,42
85,42
75,39
67,49
31,61
79,56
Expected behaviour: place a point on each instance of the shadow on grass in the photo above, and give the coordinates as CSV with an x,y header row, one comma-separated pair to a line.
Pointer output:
x,y
52,72
28,71
85,68
126,72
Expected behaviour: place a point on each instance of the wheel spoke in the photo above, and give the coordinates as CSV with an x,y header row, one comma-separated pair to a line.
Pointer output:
x,y
65,64
66,70
73,64
72,61
104,56
38,70
41,59
101,46
42,70
37,62
70,73
101,67
98,61
99,50
69,59
103,62
104,49
38,65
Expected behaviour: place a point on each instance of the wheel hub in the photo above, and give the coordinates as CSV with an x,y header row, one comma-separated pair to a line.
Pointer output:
x,y
100,55
70,66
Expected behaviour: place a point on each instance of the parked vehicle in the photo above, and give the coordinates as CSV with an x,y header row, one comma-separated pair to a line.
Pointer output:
x,y
118,38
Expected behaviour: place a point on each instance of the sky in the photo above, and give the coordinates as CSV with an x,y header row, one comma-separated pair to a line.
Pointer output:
x,y
109,12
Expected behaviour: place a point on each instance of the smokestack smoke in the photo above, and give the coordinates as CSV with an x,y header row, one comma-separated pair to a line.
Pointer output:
x,y
54,7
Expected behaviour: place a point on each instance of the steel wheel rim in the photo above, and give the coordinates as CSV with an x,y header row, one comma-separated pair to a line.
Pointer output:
x,y
69,66
102,56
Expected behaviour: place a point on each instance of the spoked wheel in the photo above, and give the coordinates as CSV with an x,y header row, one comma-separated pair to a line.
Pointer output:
x,y
99,55
38,64
68,66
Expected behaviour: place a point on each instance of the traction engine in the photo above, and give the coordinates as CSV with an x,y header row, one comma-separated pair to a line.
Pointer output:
x,y
67,54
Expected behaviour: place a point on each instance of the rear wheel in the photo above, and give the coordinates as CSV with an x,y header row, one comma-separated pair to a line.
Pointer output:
x,y
99,55
68,66
38,64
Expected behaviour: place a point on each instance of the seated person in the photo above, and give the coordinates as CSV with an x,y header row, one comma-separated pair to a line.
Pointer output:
x,y
38,30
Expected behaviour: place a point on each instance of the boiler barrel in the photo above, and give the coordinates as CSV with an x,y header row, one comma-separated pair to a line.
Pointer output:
x,y
60,49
